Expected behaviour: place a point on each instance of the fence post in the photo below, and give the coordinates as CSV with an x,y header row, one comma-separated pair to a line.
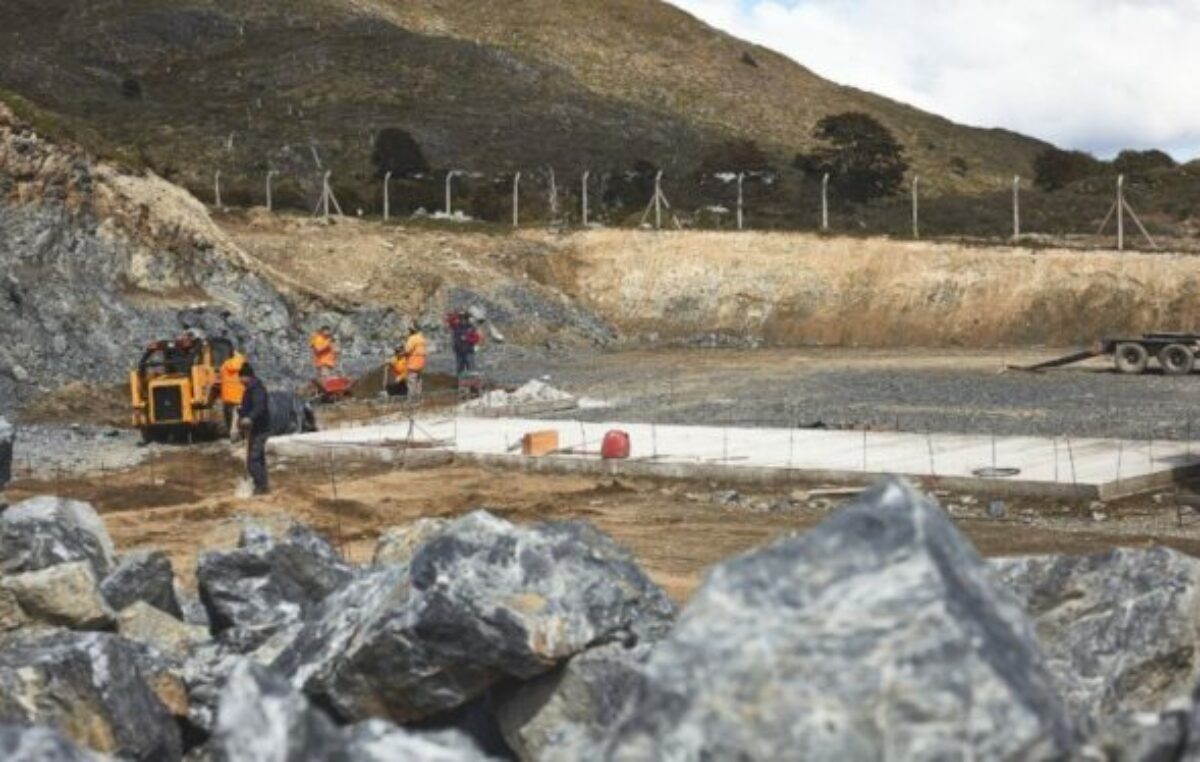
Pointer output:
x,y
585,198
270,202
387,179
741,176
516,200
217,189
449,178
658,200
1016,207
825,202
1120,212
553,192
916,206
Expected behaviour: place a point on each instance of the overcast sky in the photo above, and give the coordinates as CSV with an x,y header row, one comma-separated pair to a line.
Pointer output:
x,y
1099,75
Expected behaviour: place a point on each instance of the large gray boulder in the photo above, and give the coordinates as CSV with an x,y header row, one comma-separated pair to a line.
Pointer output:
x,y
7,436
396,545
95,687
881,634
564,715
1120,630
65,595
142,576
481,601
21,743
46,531
147,624
381,741
267,582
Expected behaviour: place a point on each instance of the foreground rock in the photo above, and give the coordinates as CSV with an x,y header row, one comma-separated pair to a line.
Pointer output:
x,y
64,595
267,582
564,715
7,435
1120,630
146,624
37,744
93,686
46,531
396,545
481,601
881,634
261,717
142,576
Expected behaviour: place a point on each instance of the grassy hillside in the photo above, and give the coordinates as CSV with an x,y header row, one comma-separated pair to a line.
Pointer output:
x,y
619,87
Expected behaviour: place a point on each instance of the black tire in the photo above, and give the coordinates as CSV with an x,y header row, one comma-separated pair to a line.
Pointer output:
x,y
1131,358
154,434
1176,360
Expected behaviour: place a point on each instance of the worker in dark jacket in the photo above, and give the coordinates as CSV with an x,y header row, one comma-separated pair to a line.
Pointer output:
x,y
255,421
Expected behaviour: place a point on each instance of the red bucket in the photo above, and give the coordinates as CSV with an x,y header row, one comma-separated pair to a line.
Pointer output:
x,y
615,446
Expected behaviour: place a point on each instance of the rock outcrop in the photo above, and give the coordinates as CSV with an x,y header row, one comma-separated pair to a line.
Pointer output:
x,y
19,743
142,576
481,601
267,582
65,595
1120,630
95,687
879,634
46,531
396,545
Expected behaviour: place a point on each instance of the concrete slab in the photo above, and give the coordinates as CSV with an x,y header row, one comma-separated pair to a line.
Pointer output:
x,y
1062,468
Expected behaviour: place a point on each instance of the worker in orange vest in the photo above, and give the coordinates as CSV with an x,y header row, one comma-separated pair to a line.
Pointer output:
x,y
397,372
232,388
415,350
325,352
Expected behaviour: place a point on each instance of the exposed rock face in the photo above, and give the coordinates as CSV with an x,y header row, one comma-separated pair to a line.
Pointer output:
x,y
92,686
398,544
1120,630
879,634
64,595
482,600
564,715
146,624
36,744
45,531
142,576
7,435
267,582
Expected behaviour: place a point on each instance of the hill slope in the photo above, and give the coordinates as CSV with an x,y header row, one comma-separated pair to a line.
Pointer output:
x,y
188,87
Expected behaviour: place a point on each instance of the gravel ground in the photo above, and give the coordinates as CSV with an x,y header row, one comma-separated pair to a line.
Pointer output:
x,y
906,391
47,451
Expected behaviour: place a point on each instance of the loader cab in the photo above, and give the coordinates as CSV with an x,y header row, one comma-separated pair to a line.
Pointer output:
x,y
175,388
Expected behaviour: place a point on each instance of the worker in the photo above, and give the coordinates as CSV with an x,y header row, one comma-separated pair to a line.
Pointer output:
x,y
397,373
415,350
325,352
255,422
465,339
231,387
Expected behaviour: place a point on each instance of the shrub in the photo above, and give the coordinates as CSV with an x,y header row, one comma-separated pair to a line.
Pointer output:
x,y
1140,162
397,152
862,157
1055,168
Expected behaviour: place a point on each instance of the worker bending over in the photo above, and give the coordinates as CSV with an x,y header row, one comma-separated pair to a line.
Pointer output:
x,y
255,423
415,350
465,338
325,351
232,389
397,373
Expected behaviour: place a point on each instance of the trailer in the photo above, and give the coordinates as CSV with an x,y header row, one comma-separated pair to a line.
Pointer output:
x,y
1174,353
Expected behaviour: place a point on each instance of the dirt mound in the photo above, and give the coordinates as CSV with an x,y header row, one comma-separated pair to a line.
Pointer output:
x,y
77,402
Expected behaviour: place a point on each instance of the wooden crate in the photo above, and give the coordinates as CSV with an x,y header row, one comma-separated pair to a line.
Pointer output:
x,y
538,443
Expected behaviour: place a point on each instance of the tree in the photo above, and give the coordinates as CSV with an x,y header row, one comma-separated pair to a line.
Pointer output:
x,y
862,157
397,152
1055,168
1139,162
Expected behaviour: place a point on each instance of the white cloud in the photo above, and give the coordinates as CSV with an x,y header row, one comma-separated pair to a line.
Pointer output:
x,y
1100,75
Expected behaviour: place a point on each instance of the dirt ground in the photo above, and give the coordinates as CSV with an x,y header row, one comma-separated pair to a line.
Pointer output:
x,y
183,503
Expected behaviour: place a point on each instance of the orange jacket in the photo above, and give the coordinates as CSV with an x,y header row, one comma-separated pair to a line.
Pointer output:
x,y
232,388
324,350
415,350
399,365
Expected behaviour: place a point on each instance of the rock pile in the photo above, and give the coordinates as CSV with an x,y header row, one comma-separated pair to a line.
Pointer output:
x,y
532,394
879,634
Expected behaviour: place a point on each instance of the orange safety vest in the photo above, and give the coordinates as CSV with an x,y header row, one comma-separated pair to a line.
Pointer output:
x,y
399,368
324,351
415,349
232,388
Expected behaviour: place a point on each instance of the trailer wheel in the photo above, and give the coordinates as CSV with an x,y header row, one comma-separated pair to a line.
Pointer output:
x,y
1176,360
1131,358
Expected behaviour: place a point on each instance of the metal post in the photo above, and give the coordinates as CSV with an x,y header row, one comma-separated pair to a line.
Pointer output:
x,y
270,202
1121,213
1016,207
915,207
516,200
387,180
741,176
449,178
825,202
325,194
553,192
658,200
585,198
217,189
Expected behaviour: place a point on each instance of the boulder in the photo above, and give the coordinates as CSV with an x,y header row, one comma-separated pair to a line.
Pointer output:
x,y
64,595
46,531
12,616
147,624
481,601
1120,630
94,687
20,743
381,741
268,581
142,576
566,714
397,544
7,435
880,634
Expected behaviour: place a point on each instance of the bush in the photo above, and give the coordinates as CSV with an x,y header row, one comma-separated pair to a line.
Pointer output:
x,y
735,156
862,157
397,152
1140,162
1055,168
